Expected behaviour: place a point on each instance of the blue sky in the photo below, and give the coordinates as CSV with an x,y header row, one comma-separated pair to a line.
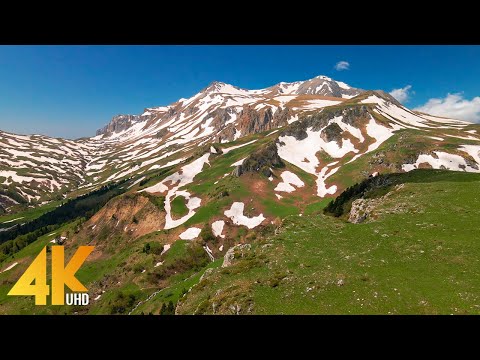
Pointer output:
x,y
70,91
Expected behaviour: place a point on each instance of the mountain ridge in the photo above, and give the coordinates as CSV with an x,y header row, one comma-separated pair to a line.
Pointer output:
x,y
131,145
312,86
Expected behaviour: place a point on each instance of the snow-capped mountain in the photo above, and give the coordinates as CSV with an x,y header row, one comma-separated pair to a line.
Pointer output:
x,y
38,168
221,109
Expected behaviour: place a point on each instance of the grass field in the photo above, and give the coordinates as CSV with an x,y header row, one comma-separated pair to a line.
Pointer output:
x,y
27,215
179,207
421,256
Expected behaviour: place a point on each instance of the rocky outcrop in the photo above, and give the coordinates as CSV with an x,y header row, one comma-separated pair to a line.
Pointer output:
x,y
281,116
470,162
239,250
227,134
251,121
237,171
355,115
173,111
161,133
5,203
261,161
220,117
120,123
322,85
361,208
332,132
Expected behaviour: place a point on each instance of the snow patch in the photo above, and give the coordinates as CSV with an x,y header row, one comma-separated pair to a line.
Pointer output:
x,y
322,189
136,182
190,233
445,120
209,252
239,162
236,214
356,132
436,138
165,248
179,179
289,179
9,221
170,163
10,267
372,99
318,104
292,119
343,85
473,151
378,132
15,177
444,161
462,137
227,150
217,228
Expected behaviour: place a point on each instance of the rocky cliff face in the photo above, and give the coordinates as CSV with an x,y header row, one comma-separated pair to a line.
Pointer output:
x,y
261,161
251,121
332,132
353,115
120,123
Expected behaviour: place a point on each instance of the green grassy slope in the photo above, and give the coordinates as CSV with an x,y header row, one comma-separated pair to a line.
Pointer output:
x,y
8,220
420,257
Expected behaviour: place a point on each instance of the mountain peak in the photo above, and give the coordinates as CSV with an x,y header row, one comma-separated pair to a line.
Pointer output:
x,y
224,88
216,83
323,77
320,85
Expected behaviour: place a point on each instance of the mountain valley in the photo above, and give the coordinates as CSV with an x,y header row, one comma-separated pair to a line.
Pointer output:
x,y
309,197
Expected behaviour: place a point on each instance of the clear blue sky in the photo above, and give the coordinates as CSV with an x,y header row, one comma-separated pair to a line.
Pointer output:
x,y
70,91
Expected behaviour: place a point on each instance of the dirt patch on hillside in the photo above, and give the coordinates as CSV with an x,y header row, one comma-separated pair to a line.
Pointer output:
x,y
128,216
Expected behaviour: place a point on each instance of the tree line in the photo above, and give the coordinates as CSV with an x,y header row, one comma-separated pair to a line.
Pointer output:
x,y
83,206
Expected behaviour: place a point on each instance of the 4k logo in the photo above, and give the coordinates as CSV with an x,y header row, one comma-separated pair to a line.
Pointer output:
x,y
61,275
